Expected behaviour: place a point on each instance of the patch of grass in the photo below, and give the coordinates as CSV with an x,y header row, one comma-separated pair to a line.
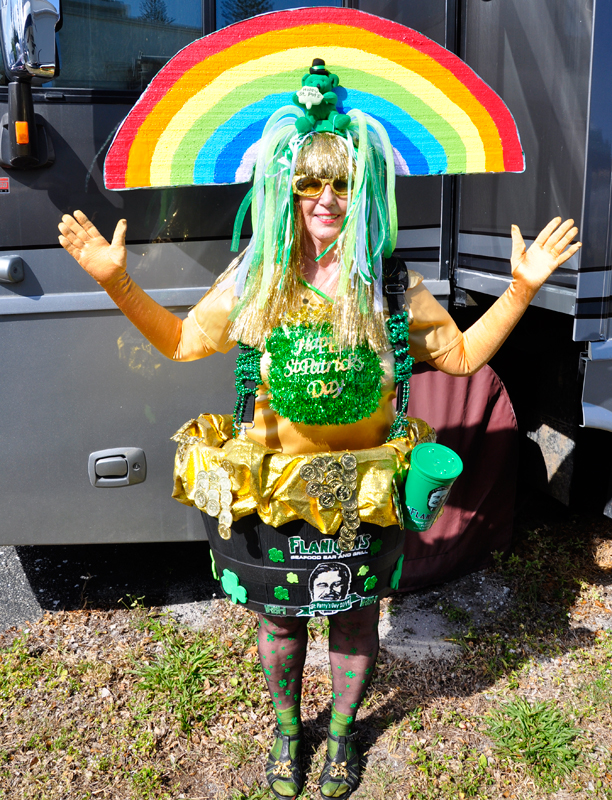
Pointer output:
x,y
538,735
382,781
254,792
241,749
132,603
18,670
461,775
455,613
148,784
411,723
598,695
318,628
193,676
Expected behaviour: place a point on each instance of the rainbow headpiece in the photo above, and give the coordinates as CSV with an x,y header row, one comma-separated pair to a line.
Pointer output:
x,y
201,117
222,108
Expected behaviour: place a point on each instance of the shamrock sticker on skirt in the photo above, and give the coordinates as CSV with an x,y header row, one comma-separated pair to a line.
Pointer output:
x,y
232,588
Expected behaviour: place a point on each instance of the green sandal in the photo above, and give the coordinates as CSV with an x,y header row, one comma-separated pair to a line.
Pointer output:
x,y
340,769
284,768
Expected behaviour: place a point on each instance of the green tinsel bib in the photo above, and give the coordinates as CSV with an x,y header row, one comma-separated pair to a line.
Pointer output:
x,y
313,383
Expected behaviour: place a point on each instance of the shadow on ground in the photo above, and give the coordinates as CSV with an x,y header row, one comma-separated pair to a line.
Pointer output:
x,y
37,579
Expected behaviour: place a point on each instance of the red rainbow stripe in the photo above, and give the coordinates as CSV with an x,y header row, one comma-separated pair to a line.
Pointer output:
x,y
239,35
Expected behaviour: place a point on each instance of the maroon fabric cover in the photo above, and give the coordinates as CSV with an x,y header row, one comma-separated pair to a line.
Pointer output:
x,y
474,417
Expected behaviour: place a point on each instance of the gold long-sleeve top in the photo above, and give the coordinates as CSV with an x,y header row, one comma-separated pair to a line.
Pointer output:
x,y
433,334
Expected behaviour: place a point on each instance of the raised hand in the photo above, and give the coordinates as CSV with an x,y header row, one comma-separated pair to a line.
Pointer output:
x,y
103,261
552,248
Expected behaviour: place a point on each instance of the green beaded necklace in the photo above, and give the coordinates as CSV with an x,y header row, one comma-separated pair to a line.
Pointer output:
x,y
398,326
248,378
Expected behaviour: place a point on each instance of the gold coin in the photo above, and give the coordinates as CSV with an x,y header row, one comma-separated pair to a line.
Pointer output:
x,y
308,472
221,473
213,479
225,532
227,466
213,495
397,505
202,475
351,503
346,541
225,484
327,500
225,518
343,493
199,499
350,475
353,524
225,498
319,462
334,466
314,488
213,508
348,461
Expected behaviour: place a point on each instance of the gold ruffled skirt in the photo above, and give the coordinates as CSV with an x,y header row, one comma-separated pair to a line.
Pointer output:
x,y
269,483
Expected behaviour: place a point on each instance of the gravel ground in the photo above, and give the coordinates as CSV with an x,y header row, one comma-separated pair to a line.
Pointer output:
x,y
76,722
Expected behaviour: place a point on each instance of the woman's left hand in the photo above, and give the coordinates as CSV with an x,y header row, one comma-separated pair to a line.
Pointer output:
x,y
552,248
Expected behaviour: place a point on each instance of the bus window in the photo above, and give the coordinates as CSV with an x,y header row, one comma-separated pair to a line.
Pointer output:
x,y
230,11
117,44
536,55
426,18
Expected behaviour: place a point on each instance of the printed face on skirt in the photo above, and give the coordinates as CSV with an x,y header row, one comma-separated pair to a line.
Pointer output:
x,y
330,582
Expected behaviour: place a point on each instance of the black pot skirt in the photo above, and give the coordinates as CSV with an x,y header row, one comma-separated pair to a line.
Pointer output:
x,y
296,571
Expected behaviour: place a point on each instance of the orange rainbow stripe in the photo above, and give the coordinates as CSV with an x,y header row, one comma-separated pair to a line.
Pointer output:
x,y
208,105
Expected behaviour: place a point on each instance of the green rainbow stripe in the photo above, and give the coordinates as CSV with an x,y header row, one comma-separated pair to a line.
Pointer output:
x,y
204,127
192,97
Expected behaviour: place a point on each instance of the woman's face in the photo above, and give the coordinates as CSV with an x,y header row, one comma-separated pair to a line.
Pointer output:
x,y
323,217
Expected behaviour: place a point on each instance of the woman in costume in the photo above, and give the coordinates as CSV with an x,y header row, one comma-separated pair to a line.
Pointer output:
x,y
318,325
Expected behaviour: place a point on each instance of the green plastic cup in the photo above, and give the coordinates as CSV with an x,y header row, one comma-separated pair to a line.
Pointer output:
x,y
433,470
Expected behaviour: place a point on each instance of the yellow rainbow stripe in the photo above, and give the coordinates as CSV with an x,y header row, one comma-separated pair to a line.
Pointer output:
x,y
206,99
203,84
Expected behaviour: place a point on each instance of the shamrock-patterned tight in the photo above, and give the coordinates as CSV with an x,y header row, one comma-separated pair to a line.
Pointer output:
x,y
353,648
282,651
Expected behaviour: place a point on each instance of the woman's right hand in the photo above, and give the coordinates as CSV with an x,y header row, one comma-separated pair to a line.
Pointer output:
x,y
103,261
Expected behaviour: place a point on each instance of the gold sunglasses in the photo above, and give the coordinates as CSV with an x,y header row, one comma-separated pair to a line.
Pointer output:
x,y
307,186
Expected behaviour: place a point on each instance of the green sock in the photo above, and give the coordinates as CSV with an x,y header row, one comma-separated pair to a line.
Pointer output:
x,y
289,724
289,720
340,725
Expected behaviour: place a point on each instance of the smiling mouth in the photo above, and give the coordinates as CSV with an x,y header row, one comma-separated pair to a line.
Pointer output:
x,y
328,217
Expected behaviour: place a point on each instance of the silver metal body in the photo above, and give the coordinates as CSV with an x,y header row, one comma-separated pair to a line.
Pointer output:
x,y
28,37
